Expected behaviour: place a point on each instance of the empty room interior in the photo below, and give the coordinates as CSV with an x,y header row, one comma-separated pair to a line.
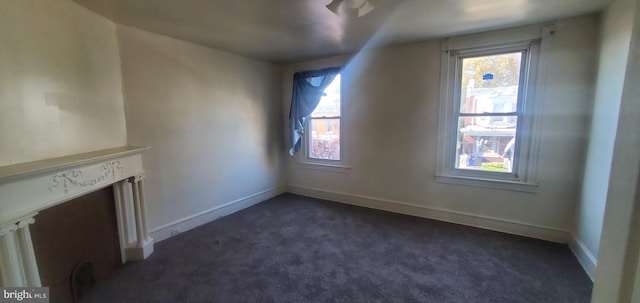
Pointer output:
x,y
320,151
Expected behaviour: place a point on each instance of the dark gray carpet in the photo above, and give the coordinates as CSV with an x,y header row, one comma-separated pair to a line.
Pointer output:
x,y
298,249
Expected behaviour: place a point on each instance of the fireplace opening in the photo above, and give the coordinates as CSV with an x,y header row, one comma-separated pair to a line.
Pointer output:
x,y
76,244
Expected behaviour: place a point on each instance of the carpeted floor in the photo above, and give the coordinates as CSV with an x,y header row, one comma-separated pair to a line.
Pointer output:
x,y
298,249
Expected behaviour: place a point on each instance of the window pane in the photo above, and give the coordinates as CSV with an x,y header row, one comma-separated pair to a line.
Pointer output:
x,y
329,105
325,139
490,84
486,148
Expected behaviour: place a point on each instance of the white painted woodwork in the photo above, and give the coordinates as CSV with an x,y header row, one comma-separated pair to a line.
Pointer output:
x,y
10,271
27,188
18,266
29,264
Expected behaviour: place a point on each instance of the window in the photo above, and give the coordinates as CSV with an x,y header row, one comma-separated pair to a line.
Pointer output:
x,y
486,117
323,135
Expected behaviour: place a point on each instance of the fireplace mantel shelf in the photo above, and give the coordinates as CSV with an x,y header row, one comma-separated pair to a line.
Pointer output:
x,y
33,186
22,170
27,188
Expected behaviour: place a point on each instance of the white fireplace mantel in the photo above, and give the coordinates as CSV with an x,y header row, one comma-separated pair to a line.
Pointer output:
x,y
27,188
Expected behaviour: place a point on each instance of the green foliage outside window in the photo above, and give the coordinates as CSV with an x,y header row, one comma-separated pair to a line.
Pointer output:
x,y
494,167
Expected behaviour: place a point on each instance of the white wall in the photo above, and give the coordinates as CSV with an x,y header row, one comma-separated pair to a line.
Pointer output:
x,y
212,119
617,24
392,119
616,275
60,84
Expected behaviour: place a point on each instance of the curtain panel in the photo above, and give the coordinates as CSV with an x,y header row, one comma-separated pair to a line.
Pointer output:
x,y
308,88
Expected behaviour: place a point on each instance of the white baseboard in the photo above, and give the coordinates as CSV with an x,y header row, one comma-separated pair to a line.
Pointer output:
x,y
485,222
140,253
585,257
171,229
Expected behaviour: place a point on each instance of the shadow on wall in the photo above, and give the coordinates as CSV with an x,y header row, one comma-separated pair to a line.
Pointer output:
x,y
263,117
207,116
261,127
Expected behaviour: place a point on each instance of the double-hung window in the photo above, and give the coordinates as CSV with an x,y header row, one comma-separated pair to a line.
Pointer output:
x,y
486,120
322,135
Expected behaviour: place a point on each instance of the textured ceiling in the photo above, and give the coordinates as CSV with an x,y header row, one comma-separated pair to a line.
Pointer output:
x,y
294,30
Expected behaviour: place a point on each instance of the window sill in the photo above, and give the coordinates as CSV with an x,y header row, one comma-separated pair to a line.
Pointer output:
x,y
336,168
489,183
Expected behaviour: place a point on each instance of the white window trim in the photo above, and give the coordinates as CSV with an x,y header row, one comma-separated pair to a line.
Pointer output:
x,y
302,157
524,176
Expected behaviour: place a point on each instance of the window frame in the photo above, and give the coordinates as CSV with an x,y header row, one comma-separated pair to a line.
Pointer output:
x,y
522,177
302,157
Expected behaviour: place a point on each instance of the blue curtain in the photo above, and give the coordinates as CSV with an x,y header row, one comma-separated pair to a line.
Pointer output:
x,y
308,88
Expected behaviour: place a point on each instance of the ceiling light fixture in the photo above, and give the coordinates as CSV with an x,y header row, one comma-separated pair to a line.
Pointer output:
x,y
363,6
